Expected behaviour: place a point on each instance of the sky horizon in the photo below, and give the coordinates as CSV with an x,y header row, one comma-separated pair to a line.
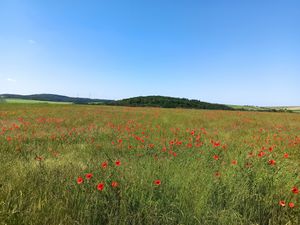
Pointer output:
x,y
226,51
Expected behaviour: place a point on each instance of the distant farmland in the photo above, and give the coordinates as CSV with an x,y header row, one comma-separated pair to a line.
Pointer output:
x,y
26,101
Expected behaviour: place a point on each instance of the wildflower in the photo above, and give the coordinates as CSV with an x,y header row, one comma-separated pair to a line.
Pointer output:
x,y
151,145
157,182
291,205
234,162
104,165
118,163
114,184
295,190
100,186
286,155
282,203
39,158
216,144
216,157
9,138
272,162
89,176
79,180
217,174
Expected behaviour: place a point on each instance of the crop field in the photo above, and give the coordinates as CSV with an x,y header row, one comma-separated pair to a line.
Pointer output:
x,y
76,164
25,101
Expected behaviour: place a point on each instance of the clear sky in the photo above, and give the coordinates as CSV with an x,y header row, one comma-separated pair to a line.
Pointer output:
x,y
223,51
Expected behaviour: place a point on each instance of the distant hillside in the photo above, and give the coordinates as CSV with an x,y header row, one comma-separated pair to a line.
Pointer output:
x,y
168,102
54,98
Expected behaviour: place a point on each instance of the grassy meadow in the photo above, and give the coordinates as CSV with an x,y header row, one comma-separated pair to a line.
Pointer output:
x,y
76,164
27,101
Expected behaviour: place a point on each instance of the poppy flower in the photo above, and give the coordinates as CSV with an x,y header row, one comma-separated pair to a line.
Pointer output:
x,y
157,182
286,155
216,157
272,162
295,190
216,144
9,138
114,184
234,162
282,203
104,165
88,176
79,180
291,205
118,163
100,186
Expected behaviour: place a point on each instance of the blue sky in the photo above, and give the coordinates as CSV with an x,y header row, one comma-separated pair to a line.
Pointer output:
x,y
235,52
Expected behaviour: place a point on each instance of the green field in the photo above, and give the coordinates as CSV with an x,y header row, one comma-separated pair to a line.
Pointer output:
x,y
76,164
267,108
25,101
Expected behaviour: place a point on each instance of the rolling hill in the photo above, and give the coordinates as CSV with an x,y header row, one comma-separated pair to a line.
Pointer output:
x,y
54,98
140,101
168,102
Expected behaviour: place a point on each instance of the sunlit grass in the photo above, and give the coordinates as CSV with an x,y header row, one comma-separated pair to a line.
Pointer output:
x,y
213,166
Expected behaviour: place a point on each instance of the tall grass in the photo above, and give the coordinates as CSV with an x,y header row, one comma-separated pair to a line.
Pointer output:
x,y
210,164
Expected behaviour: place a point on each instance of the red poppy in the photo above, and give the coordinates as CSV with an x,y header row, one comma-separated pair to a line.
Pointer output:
x,y
282,203
291,205
118,163
79,180
151,145
157,182
89,176
216,144
100,186
39,158
104,165
114,184
216,157
272,162
234,162
9,138
295,190
217,174
286,155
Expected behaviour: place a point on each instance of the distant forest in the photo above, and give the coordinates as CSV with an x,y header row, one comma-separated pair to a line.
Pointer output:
x,y
141,101
168,102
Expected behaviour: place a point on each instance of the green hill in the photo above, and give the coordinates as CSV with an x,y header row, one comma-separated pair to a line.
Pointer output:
x,y
54,98
168,102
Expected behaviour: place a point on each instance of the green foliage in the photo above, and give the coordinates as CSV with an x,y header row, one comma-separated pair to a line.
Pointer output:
x,y
55,98
168,102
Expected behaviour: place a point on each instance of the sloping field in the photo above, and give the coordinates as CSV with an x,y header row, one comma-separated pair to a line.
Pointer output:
x,y
17,100
74,164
